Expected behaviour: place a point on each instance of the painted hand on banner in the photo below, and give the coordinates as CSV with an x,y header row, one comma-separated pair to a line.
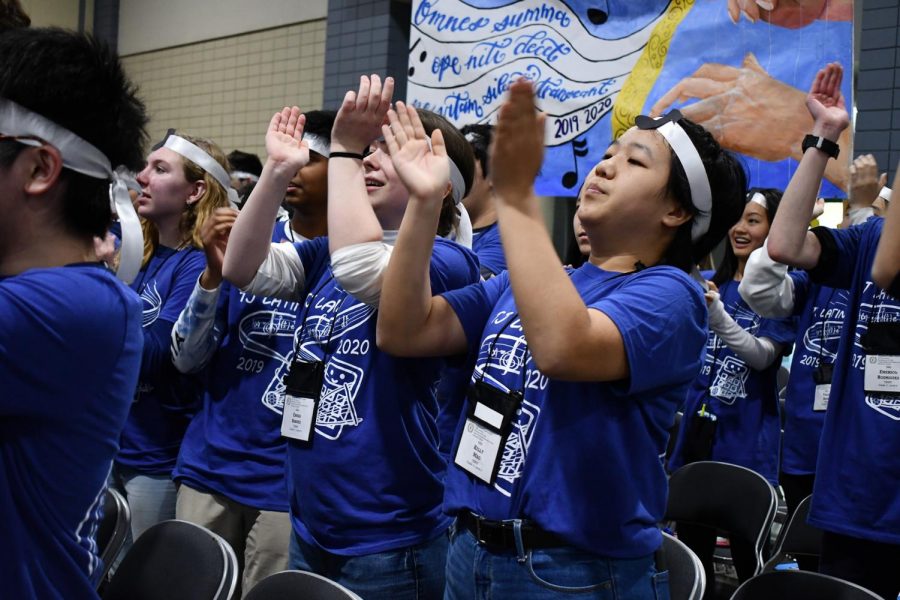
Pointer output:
x,y
745,109
425,172
791,14
214,235
284,146
518,147
361,115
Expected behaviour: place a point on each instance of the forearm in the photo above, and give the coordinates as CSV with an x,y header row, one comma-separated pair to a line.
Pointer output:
x,y
758,353
766,286
838,171
194,338
887,258
351,219
789,242
557,324
249,240
406,297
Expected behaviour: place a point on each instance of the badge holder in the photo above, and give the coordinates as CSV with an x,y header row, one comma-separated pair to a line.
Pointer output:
x,y
302,384
822,379
700,436
882,346
488,425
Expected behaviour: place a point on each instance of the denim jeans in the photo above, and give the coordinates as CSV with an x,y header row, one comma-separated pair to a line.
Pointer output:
x,y
474,572
151,499
412,573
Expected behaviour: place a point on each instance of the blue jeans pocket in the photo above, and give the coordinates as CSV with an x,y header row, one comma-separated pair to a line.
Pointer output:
x,y
568,572
661,585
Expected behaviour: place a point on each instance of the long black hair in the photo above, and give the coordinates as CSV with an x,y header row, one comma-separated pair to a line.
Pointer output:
x,y
728,267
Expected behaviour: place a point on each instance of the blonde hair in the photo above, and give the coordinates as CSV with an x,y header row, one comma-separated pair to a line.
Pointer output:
x,y
195,214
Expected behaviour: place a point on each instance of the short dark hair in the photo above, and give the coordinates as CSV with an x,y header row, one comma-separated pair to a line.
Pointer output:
x,y
320,123
78,83
727,183
12,15
245,161
479,136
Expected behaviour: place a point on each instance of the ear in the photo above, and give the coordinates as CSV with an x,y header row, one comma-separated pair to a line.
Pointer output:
x,y
197,191
676,215
42,167
448,191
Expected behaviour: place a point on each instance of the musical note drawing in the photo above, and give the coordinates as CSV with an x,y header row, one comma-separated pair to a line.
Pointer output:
x,y
579,150
422,56
598,16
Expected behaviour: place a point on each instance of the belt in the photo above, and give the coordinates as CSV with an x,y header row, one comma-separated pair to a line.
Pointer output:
x,y
500,534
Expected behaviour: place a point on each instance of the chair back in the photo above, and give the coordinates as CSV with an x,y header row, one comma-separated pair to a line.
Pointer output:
x,y
799,537
687,579
299,585
727,497
113,528
800,585
175,560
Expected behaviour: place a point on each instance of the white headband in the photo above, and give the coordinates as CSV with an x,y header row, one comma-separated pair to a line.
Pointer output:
x,y
701,196
82,157
317,143
458,183
885,193
203,160
759,199
245,175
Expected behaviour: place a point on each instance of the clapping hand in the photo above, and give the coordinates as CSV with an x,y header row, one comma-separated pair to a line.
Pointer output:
x,y
518,147
359,119
826,103
214,235
284,144
424,170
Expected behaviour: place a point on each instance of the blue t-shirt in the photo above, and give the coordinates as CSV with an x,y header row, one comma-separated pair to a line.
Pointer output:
x,y
233,446
820,313
486,244
71,341
165,399
857,489
372,479
744,400
584,459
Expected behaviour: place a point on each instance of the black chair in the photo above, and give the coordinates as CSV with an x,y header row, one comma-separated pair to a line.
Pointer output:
x,y
801,585
706,497
798,539
113,529
175,560
299,585
687,580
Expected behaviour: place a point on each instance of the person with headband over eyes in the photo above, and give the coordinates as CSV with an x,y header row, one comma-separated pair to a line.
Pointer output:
x,y
231,465
855,500
70,332
365,475
184,182
485,234
557,482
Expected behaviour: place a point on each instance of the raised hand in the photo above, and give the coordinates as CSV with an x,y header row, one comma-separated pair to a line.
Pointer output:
x,y
865,183
826,103
214,235
284,145
518,147
424,171
361,115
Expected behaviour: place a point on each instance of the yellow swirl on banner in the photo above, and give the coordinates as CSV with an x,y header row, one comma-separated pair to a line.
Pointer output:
x,y
638,85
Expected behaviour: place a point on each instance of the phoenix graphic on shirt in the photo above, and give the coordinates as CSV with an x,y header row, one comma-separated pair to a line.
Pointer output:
x,y
152,304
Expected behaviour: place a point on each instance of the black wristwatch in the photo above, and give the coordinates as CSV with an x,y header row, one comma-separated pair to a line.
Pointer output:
x,y
827,146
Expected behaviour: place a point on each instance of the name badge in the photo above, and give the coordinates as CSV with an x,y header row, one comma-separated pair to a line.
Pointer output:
x,y
488,425
298,417
882,373
820,402
478,450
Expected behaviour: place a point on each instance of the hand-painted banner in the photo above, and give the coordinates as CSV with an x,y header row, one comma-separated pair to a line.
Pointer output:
x,y
596,65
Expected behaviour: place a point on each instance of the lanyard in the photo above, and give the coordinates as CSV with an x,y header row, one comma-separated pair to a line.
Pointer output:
x,y
331,324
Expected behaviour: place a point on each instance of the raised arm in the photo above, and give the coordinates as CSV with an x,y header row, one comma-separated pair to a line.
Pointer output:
x,y
249,240
789,241
564,337
887,258
412,322
351,219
